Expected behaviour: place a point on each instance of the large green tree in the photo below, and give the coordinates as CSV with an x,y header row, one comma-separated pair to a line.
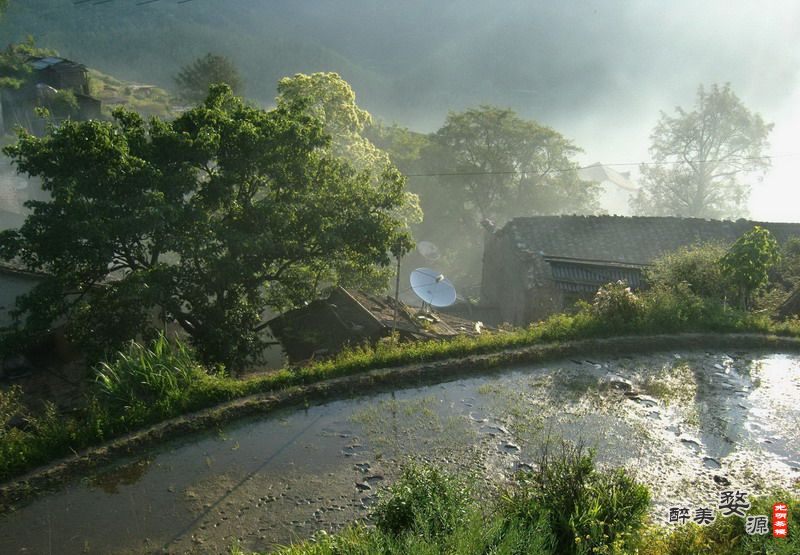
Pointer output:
x,y
194,79
206,220
332,100
490,163
498,165
701,158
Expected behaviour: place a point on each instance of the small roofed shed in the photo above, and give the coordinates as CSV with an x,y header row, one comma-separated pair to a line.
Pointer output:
x,y
324,327
537,266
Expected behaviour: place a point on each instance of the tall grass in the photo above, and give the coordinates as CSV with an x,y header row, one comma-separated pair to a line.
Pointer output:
x,y
566,506
146,383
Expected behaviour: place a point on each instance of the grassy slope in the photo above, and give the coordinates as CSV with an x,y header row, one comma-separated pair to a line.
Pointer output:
x,y
147,100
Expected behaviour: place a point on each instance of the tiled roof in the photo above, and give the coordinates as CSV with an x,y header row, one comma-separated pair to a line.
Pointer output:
x,y
39,63
637,240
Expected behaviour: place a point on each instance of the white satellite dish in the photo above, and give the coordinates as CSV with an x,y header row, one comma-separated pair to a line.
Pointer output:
x,y
428,250
432,287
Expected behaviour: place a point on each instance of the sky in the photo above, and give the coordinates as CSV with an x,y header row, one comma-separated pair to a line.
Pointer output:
x,y
598,71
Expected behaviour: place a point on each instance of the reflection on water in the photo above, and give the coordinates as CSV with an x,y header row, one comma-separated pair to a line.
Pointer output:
x,y
682,422
123,475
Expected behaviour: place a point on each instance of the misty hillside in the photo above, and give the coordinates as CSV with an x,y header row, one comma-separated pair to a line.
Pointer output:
x,y
150,44
411,61
597,71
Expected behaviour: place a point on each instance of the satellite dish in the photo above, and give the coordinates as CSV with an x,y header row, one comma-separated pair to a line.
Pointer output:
x,y
432,287
428,250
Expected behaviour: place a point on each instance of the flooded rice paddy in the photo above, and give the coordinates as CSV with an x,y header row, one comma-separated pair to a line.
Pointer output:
x,y
686,424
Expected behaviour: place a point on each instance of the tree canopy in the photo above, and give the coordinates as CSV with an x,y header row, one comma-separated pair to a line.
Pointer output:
x,y
504,166
489,163
194,79
331,99
701,158
748,262
206,220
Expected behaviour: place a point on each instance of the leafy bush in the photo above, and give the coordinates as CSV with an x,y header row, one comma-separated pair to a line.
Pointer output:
x,y
425,500
616,305
697,266
669,309
748,262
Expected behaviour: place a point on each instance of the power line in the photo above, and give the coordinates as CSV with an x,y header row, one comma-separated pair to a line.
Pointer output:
x,y
139,3
616,164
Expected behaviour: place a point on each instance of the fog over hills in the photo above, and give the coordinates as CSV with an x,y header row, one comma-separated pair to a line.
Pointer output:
x,y
598,71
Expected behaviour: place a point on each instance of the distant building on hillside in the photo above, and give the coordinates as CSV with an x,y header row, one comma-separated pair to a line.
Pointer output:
x,y
50,76
540,265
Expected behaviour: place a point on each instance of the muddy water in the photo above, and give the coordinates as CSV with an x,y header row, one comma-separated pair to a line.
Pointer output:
x,y
687,424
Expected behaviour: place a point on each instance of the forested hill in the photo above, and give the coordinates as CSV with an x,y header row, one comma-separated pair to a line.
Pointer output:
x,y
409,61
150,43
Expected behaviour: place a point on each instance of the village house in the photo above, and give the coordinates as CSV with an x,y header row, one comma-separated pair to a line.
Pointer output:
x,y
351,318
50,76
536,266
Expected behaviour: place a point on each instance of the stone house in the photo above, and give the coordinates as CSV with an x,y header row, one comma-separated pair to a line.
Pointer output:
x,y
536,266
50,75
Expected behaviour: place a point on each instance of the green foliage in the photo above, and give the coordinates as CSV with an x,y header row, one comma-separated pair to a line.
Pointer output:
x,y
195,79
700,157
205,220
424,501
608,508
588,511
148,382
749,260
14,67
606,515
493,164
697,266
330,98
507,166
675,308
616,305
64,103
789,265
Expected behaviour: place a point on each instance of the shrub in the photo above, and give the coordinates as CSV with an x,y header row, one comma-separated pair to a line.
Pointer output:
x,y
698,267
748,262
425,500
668,309
616,305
